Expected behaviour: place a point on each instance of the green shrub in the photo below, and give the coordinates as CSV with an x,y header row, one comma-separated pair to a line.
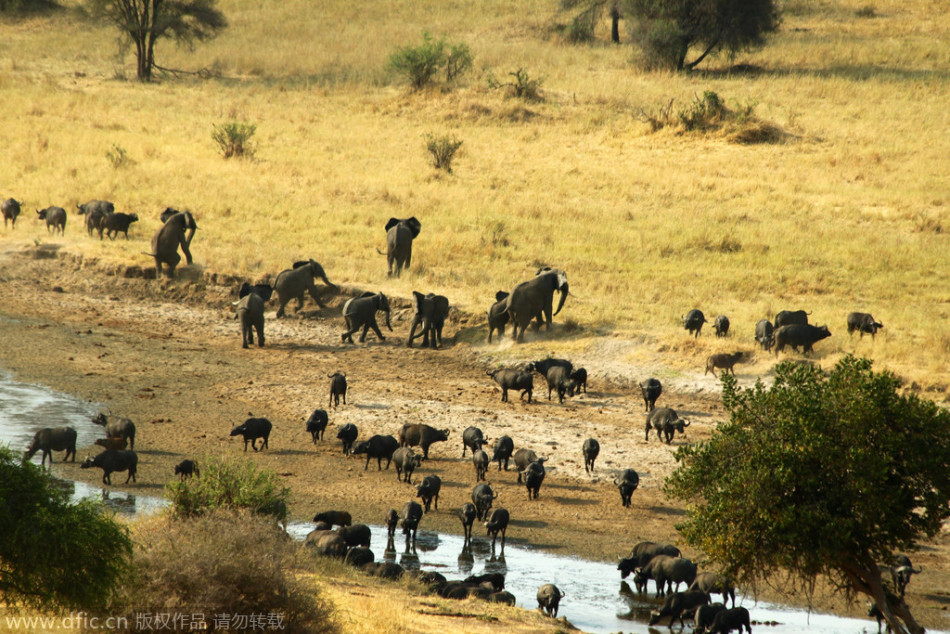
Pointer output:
x,y
443,149
234,138
55,555
660,42
703,112
522,86
223,563
420,64
233,484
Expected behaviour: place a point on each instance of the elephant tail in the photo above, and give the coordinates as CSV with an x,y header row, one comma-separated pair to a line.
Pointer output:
x,y
151,255
381,253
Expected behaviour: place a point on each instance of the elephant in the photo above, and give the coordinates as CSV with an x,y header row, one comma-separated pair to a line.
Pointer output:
x,y
250,310
399,237
291,284
177,231
360,312
534,298
431,313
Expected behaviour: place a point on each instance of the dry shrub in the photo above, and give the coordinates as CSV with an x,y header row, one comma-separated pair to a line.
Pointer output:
x,y
221,563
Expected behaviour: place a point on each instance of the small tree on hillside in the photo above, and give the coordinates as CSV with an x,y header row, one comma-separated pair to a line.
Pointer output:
x,y
667,30
821,474
144,22
53,554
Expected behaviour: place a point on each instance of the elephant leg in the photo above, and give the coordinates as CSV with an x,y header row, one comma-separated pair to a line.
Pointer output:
x,y
348,335
412,331
299,302
260,333
184,248
375,328
365,330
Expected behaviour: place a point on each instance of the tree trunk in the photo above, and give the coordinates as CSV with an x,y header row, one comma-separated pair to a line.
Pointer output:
x,y
615,25
708,50
866,579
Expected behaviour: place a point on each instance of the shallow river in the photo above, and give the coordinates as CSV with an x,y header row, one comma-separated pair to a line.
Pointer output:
x,y
596,599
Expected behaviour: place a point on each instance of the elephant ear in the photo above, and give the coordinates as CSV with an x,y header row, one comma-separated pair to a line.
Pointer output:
x,y
368,294
414,226
392,223
500,295
419,298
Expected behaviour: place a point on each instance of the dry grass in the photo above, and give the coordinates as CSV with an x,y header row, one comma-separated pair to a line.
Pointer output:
x,y
845,213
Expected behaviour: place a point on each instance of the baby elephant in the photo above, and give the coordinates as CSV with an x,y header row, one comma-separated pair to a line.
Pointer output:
x,y
723,360
337,388
250,311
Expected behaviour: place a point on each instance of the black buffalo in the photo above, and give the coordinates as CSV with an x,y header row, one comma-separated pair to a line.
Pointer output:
x,y
251,430
317,424
764,334
378,447
113,460
347,435
863,323
590,449
651,390
804,335
502,451
693,321
790,317
721,326
422,435
513,379
627,483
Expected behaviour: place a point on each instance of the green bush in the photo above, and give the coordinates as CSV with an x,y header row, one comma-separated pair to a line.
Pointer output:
x,y
234,138
223,563
232,484
55,555
443,149
420,64
703,112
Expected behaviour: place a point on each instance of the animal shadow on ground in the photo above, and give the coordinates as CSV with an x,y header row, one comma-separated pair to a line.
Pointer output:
x,y
290,452
573,501
528,524
155,452
667,510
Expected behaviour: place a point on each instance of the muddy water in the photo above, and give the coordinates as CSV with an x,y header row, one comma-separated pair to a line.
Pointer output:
x,y
596,599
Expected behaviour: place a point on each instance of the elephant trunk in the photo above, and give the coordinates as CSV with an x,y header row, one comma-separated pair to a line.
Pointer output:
x,y
329,283
387,322
560,304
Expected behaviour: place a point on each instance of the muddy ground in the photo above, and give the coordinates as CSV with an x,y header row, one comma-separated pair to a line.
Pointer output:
x,y
168,356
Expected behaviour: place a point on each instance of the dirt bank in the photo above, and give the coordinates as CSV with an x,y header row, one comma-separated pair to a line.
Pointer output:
x,y
168,355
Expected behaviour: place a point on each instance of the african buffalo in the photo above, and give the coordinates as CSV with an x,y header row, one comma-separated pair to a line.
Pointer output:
x,y
764,334
523,457
95,212
347,434
378,447
666,422
728,620
678,605
337,388
651,390
502,451
473,439
533,478
251,430
113,460
790,317
721,326
10,209
187,469
705,615
627,482
714,583
590,449
334,518
666,570
117,223
863,323
559,380
429,491
579,377
50,439
406,461
356,535
328,543
804,335
498,315
482,498
498,523
542,367
641,554
480,461
693,321
411,515
317,424
513,379
467,515
422,435
55,218
117,426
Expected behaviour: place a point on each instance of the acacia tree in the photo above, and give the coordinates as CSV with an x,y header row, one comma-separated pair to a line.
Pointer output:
x,y
666,30
818,475
53,554
144,22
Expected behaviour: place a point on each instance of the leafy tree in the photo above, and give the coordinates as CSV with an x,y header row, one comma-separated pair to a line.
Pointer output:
x,y
666,30
144,22
420,64
818,475
53,554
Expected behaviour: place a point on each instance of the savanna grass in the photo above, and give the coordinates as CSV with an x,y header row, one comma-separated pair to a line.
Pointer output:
x,y
847,212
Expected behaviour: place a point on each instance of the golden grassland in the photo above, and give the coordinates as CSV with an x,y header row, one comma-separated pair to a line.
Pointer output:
x,y
847,211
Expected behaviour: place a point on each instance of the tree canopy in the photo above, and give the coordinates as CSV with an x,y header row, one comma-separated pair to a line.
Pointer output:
x,y
144,22
666,30
821,474
55,555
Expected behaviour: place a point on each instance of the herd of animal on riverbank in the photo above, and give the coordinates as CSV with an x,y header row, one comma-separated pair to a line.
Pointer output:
x,y
528,301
